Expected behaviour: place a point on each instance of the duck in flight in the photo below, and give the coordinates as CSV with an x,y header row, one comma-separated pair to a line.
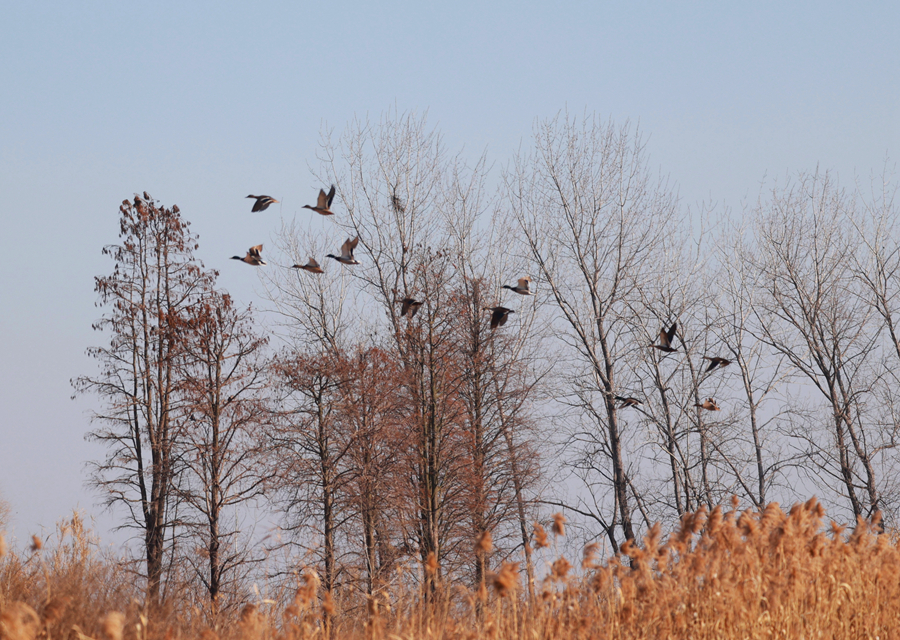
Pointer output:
x,y
262,202
523,288
716,362
312,266
323,204
499,316
628,402
410,305
347,248
253,257
709,404
665,339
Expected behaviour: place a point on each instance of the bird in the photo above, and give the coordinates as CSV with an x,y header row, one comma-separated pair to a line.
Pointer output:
x,y
523,288
409,305
709,404
716,362
312,266
262,202
665,339
499,315
347,248
397,204
253,256
323,204
629,402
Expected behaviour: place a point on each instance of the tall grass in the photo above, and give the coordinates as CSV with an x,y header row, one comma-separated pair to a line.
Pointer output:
x,y
719,574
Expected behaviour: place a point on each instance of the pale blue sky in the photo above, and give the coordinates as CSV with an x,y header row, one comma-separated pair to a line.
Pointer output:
x,y
203,103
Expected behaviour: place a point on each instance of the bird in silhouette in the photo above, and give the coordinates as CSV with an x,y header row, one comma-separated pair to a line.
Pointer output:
x,y
312,266
323,204
665,339
499,316
628,402
347,248
409,305
709,404
253,256
716,362
397,204
523,288
262,202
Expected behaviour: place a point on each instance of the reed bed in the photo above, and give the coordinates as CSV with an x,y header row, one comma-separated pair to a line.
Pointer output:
x,y
720,574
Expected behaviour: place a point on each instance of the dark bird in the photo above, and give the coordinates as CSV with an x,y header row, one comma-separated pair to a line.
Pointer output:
x,y
323,204
253,256
709,404
410,305
499,315
397,204
347,248
262,202
716,362
523,288
312,266
665,339
629,402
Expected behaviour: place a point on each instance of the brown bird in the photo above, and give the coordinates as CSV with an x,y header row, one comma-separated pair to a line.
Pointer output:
x,y
709,404
716,362
665,339
523,288
323,204
410,305
253,256
499,316
629,402
347,248
312,266
262,202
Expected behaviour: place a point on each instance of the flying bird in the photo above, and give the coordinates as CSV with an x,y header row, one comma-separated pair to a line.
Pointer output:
x,y
312,266
523,288
347,248
709,404
665,339
499,316
253,256
716,362
629,402
410,306
262,202
323,204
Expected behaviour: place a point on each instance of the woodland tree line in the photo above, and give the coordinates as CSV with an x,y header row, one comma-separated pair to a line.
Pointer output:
x,y
425,448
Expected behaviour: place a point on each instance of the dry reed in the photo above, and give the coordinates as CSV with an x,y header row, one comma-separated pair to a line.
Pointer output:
x,y
720,574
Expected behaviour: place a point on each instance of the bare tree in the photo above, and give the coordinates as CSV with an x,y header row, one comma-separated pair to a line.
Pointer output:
x,y
811,310
150,296
223,446
591,218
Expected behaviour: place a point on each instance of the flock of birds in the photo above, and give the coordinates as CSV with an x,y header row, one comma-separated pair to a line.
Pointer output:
x,y
666,345
410,306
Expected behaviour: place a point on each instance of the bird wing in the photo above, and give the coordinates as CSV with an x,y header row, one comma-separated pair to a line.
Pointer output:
x,y
322,202
663,338
312,262
329,197
407,302
255,251
525,283
351,245
671,333
258,205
